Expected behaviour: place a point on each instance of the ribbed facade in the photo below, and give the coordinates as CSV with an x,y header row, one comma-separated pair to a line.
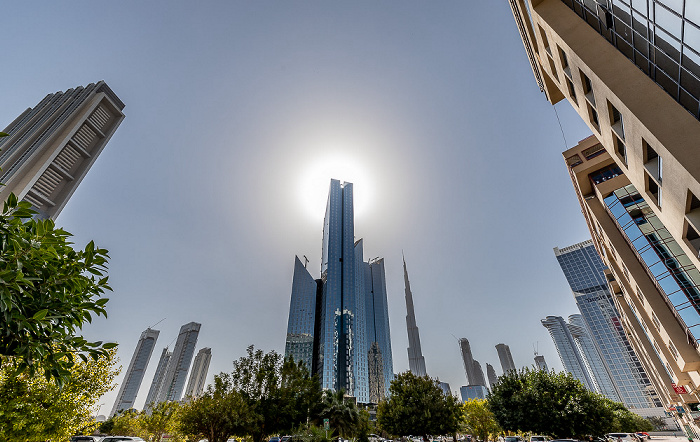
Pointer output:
x,y
129,388
505,357
467,360
179,364
540,363
302,316
198,374
571,357
158,379
491,375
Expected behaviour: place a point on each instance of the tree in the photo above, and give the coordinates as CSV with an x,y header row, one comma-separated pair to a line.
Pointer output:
x,y
478,419
657,423
280,393
33,408
162,419
417,405
127,423
624,421
48,291
217,414
549,403
342,414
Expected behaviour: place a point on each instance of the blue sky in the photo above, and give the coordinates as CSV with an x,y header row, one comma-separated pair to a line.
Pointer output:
x,y
237,116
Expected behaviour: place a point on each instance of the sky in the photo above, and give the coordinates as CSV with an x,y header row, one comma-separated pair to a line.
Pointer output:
x,y
238,114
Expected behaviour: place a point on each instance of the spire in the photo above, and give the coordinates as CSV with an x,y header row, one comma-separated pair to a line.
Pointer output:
x,y
416,362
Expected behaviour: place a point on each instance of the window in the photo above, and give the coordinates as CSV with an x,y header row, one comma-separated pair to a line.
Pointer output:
x,y
620,149
545,41
652,188
564,62
588,90
655,321
652,162
692,222
674,352
616,121
572,91
593,117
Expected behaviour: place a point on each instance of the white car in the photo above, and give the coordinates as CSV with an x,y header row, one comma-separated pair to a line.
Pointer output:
x,y
624,437
122,438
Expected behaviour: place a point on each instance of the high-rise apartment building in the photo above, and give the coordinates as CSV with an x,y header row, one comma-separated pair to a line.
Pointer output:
x,y
134,374
505,357
571,357
468,360
631,71
416,361
478,375
473,392
491,375
51,147
584,270
339,324
158,379
198,373
179,364
540,363
445,387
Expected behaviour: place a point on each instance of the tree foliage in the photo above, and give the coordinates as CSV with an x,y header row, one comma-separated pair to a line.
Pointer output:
x,y
342,414
33,408
280,394
48,291
417,405
557,405
162,419
478,420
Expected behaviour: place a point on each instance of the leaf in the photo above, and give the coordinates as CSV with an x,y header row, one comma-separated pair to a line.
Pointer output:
x,y
3,134
41,314
108,345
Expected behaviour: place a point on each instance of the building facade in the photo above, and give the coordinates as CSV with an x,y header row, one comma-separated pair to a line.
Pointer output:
x,y
416,361
473,392
540,363
51,147
198,374
339,324
491,375
158,379
179,364
570,356
468,360
505,357
129,388
445,387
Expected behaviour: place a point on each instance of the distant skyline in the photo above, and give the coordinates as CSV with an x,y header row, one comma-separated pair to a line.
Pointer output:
x,y
238,114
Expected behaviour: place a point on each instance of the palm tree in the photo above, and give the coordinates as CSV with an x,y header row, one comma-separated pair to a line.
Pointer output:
x,y
341,413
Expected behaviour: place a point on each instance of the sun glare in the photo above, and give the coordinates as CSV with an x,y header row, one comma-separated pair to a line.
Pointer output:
x,y
316,178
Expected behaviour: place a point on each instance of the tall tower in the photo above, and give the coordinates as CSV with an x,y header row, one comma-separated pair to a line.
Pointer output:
x,y
569,354
478,375
467,360
51,147
505,357
134,374
198,374
583,270
158,379
491,374
302,316
416,362
179,365
540,363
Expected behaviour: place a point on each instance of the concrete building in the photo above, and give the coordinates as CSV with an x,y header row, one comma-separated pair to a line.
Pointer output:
x,y
571,357
505,357
129,388
179,364
632,72
491,375
158,379
198,374
468,360
473,392
540,363
416,361
51,147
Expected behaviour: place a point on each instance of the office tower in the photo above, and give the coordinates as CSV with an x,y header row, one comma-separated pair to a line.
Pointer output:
x,y
445,388
505,357
134,374
570,356
416,361
302,316
51,147
478,375
584,270
198,374
540,363
631,72
491,374
467,360
179,364
381,364
473,392
158,378
594,363
339,323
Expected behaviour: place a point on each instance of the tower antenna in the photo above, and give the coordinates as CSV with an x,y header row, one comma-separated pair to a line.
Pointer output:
x,y
157,323
306,261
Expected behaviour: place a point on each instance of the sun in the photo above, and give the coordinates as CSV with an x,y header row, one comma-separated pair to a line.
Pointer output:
x,y
316,178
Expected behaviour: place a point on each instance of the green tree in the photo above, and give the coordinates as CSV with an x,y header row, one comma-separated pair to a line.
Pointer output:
x,y
657,423
549,403
280,393
33,408
217,414
127,423
478,419
624,421
341,413
417,405
162,419
48,291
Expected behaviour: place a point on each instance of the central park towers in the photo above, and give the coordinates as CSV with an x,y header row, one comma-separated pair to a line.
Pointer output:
x,y
339,323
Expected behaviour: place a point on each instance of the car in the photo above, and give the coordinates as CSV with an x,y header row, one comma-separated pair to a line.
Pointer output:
x,y
539,439
84,439
623,437
643,435
513,439
121,438
274,439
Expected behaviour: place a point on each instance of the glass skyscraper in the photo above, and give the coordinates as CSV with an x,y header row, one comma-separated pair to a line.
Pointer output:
x,y
339,324
137,368
179,363
571,358
623,373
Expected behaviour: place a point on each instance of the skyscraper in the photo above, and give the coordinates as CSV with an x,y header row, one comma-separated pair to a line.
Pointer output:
x,y
631,71
339,323
540,363
473,392
134,374
198,374
584,270
179,364
416,361
491,374
570,356
51,147
478,375
467,360
505,357
445,388
158,379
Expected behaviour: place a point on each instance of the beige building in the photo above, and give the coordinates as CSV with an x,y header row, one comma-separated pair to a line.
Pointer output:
x,y
629,70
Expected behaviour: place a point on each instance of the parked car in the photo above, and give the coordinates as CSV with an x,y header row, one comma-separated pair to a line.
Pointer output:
x,y
623,437
539,438
274,439
84,439
513,439
121,438
643,435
